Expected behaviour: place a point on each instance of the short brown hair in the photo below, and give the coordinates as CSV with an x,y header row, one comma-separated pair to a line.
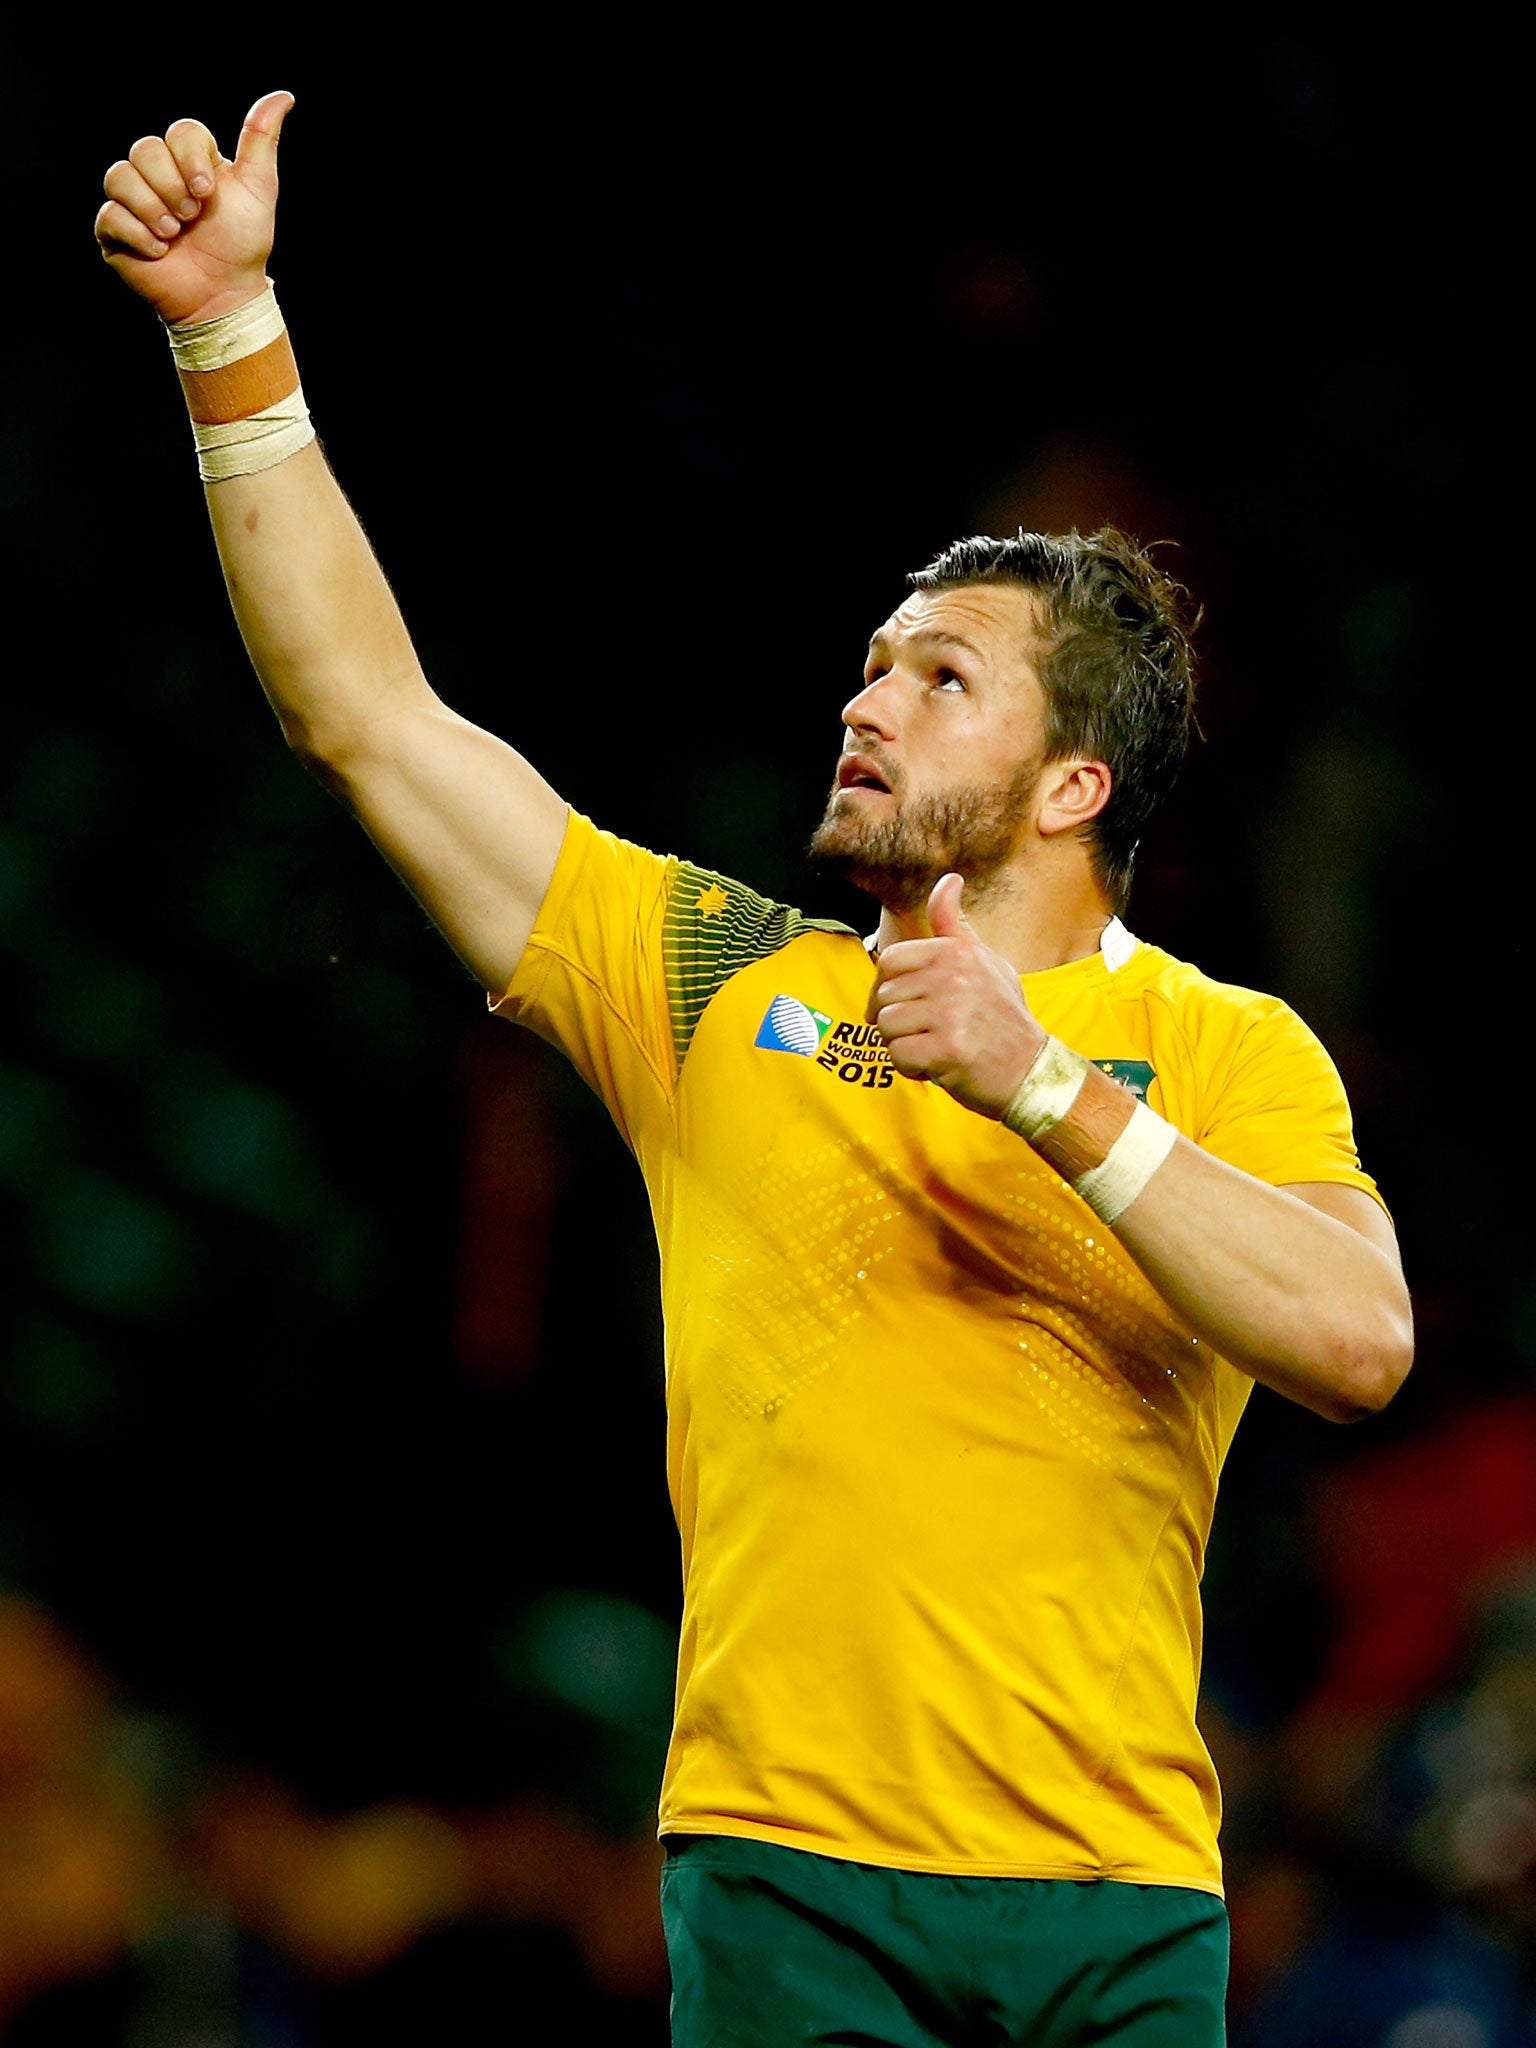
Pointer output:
x,y
1117,669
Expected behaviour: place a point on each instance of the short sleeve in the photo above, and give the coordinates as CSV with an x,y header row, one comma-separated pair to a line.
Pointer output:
x,y
592,978
1280,1111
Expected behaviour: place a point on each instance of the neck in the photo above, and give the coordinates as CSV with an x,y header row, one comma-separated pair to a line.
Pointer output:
x,y
1044,916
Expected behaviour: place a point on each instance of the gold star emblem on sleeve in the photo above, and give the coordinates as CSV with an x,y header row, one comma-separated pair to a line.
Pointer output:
x,y
712,901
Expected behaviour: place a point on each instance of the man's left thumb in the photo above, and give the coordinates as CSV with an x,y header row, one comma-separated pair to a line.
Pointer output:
x,y
946,920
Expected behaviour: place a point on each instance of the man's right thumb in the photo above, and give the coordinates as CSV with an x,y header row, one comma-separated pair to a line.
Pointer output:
x,y
258,137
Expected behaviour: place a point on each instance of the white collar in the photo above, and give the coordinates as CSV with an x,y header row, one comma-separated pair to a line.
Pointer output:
x,y
1116,944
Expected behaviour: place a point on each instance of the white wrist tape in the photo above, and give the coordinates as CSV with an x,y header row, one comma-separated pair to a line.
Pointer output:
x,y
260,441
243,391
1047,1091
1110,1187
215,344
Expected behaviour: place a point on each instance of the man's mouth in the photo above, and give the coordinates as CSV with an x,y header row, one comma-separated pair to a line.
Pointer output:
x,y
855,771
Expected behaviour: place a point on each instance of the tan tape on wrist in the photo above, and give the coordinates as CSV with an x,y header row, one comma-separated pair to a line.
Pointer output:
x,y
242,389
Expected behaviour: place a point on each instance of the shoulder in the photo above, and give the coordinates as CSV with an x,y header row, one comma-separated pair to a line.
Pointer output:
x,y
702,910
1231,1044
1254,1083
703,906
715,928
1199,1000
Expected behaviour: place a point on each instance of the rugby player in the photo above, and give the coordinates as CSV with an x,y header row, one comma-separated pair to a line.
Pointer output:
x,y
974,1236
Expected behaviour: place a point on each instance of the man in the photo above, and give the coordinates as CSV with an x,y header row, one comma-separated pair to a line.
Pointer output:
x,y
969,1257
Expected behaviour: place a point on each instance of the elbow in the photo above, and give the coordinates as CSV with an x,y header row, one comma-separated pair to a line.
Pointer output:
x,y
323,762
344,749
305,742
1372,1370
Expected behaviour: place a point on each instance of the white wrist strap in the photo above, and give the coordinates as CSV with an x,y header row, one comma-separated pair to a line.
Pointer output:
x,y
1110,1187
215,344
242,447
1047,1091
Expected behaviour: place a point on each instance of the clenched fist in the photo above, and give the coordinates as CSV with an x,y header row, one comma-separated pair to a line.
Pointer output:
x,y
952,1011
189,229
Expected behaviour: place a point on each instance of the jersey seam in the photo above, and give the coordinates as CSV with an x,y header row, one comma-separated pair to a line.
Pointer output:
x,y
552,950
1116,1743
1186,1044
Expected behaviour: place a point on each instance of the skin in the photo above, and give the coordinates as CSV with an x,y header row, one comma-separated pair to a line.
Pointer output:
x,y
1299,1286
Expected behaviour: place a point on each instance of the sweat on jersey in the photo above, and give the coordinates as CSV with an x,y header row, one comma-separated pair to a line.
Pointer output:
x,y
942,1462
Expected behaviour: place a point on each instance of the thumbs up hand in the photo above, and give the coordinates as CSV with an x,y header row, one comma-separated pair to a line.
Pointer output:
x,y
951,1009
187,228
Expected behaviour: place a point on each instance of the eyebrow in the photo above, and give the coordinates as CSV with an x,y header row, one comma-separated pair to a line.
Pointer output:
x,y
929,636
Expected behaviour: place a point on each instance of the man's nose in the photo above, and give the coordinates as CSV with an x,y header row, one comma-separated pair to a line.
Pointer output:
x,y
873,710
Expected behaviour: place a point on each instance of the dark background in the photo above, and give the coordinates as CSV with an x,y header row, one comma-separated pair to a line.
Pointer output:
x,y
335,1660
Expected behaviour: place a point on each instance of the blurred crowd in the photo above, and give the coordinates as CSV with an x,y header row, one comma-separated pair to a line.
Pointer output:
x,y
1381,1830
152,1894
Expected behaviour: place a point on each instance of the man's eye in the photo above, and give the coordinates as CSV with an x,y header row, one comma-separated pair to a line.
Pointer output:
x,y
948,680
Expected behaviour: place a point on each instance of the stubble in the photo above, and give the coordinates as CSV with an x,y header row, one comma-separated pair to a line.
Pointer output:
x,y
898,858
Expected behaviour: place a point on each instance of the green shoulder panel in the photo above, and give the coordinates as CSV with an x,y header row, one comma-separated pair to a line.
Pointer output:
x,y
715,927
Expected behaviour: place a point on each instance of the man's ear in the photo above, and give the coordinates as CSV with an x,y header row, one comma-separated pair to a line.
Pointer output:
x,y
1073,792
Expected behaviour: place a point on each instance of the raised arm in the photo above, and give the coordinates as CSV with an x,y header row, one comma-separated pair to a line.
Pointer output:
x,y
469,826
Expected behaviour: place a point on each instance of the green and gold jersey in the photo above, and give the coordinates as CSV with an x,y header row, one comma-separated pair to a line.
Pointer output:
x,y
942,1461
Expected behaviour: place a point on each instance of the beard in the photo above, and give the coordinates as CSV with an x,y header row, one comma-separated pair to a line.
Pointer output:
x,y
898,858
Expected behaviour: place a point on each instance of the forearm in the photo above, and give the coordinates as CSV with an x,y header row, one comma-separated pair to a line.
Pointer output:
x,y
1310,1305
470,828
322,629
1305,1303
321,625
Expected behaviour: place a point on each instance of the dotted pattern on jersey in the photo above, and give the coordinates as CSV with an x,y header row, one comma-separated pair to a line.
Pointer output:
x,y
1099,1358
794,1251
779,1300
713,928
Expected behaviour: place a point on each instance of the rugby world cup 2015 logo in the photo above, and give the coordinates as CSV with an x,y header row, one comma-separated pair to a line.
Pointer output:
x,y
793,1026
855,1053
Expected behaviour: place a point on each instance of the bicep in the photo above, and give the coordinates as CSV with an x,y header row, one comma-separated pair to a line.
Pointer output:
x,y
1354,1208
472,829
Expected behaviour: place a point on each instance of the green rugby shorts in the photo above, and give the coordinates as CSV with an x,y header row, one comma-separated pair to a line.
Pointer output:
x,y
779,1948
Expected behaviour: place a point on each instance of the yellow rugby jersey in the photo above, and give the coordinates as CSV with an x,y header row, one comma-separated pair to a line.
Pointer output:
x,y
942,1462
